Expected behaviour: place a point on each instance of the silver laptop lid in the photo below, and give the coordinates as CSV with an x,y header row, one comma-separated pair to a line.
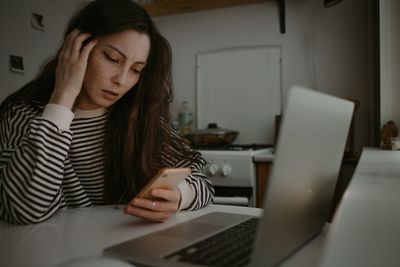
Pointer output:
x,y
305,170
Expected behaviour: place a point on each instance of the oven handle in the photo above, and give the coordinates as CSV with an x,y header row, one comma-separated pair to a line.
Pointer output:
x,y
237,201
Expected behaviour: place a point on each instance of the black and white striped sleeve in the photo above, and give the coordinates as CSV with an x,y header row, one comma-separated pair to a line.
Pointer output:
x,y
202,187
32,155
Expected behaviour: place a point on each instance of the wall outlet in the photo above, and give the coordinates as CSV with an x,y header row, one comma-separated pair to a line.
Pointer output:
x,y
16,64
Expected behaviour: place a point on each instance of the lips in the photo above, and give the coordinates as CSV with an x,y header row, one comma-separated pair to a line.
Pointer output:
x,y
108,94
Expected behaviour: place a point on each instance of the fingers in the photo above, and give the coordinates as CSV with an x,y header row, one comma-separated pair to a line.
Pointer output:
x,y
164,205
172,194
68,44
68,41
71,68
86,49
73,44
158,216
154,205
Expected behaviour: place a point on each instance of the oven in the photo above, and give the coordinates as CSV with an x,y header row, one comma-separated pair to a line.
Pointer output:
x,y
232,171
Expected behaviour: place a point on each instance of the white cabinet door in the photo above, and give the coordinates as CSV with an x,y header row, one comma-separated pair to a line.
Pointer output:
x,y
240,89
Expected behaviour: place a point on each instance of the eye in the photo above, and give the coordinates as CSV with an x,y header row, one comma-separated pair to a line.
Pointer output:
x,y
137,71
115,60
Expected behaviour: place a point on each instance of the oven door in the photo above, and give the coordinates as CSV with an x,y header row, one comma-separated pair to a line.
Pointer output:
x,y
237,196
233,191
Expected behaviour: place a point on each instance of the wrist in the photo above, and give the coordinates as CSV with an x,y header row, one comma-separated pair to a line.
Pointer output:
x,y
187,196
59,115
64,99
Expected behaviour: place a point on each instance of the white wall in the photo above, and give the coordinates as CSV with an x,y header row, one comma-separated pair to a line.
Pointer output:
x,y
323,48
390,61
19,38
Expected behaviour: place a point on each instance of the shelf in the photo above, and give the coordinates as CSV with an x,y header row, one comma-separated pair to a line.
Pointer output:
x,y
168,7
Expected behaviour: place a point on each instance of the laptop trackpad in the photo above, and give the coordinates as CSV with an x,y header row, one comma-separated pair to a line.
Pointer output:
x,y
157,244
202,226
190,231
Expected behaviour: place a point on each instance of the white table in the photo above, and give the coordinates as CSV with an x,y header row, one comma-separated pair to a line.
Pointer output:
x,y
85,232
366,227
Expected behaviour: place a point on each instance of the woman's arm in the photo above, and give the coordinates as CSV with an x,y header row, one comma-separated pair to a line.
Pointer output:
x,y
194,193
33,150
200,186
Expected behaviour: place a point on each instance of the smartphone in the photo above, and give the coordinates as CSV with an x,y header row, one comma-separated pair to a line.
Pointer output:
x,y
165,178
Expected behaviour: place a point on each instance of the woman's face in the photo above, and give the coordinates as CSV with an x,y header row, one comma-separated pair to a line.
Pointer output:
x,y
114,67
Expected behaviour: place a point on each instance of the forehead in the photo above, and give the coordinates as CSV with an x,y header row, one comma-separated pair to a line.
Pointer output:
x,y
133,44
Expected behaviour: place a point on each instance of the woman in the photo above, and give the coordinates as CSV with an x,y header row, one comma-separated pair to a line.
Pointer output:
x,y
94,127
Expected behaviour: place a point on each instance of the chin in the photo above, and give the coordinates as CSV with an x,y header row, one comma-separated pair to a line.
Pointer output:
x,y
104,103
95,105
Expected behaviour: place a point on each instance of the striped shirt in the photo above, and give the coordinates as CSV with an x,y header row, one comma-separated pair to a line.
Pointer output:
x,y
48,163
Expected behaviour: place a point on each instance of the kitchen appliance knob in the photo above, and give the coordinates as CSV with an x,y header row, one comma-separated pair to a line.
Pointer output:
x,y
212,169
226,170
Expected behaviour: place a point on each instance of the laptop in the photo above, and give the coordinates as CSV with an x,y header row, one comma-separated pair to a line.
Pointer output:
x,y
296,205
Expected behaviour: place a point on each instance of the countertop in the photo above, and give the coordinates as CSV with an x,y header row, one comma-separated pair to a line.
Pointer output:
x,y
267,156
366,227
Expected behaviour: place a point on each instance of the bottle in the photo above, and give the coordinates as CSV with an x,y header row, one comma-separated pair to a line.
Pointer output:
x,y
185,118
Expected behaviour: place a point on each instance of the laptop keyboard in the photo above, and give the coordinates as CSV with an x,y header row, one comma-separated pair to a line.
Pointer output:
x,y
231,247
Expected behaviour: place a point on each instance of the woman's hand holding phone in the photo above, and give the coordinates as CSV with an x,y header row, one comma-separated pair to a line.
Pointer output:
x,y
71,68
162,206
160,199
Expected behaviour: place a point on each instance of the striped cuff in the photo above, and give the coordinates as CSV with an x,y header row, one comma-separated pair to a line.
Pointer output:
x,y
59,115
187,195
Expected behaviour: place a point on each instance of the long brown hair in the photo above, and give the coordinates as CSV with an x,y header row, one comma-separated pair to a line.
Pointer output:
x,y
135,132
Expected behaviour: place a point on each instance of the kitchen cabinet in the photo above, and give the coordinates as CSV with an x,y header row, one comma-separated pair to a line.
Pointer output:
x,y
263,170
219,73
168,7
347,169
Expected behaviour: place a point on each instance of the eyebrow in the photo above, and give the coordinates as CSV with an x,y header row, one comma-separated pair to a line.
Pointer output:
x,y
122,54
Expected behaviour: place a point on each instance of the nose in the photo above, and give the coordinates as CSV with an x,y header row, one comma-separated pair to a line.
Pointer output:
x,y
120,78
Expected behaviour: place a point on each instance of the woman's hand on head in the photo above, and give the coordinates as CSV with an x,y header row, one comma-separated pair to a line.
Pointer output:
x,y
164,205
71,68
